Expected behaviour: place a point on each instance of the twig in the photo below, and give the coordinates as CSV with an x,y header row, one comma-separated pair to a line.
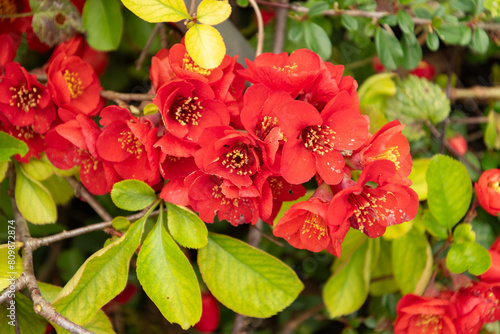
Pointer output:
x,y
41,306
293,324
144,52
15,16
260,27
280,18
115,96
268,237
80,190
373,15
475,92
36,243
469,120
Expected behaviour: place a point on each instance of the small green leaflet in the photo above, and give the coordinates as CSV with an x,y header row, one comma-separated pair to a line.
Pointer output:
x,y
132,195
10,146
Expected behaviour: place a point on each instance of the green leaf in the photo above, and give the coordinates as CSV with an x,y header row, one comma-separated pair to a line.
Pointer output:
x,y
412,51
34,201
102,277
296,32
493,6
120,223
388,49
168,278
412,262
432,41
463,5
205,45
10,146
158,10
464,233
29,322
246,279
491,133
103,22
60,190
468,255
466,36
389,19
318,8
382,277
100,324
417,176
349,22
450,190
451,33
433,226
480,40
242,3
4,166
187,229
347,289
38,169
132,195
11,264
406,22
317,40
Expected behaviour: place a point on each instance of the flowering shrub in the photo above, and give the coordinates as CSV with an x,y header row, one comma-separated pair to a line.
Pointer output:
x,y
362,213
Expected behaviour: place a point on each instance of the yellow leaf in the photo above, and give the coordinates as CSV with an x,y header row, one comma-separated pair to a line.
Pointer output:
x,y
158,10
205,45
213,11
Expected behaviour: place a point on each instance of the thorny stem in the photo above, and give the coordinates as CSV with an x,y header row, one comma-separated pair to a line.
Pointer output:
x,y
41,306
373,15
150,41
80,190
280,20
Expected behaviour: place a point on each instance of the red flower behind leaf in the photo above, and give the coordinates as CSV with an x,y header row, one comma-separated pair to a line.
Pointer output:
x,y
209,314
424,315
74,85
488,191
34,140
371,209
305,225
492,275
127,142
24,101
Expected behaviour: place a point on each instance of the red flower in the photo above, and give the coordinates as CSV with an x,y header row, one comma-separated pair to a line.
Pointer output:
x,y
209,314
229,154
77,46
283,72
208,199
188,107
10,45
424,70
261,122
424,315
475,306
74,143
24,101
387,144
371,210
459,144
314,141
493,273
305,225
282,191
176,63
127,142
74,85
488,191
15,26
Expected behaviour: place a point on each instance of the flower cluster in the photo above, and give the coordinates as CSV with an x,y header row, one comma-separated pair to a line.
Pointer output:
x,y
466,310
225,151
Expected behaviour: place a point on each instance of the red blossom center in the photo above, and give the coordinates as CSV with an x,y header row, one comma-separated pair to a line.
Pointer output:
x,y
265,126
314,225
217,194
74,83
391,154
287,69
495,186
130,143
240,160
367,208
318,138
429,323
8,7
25,132
189,65
24,98
186,111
